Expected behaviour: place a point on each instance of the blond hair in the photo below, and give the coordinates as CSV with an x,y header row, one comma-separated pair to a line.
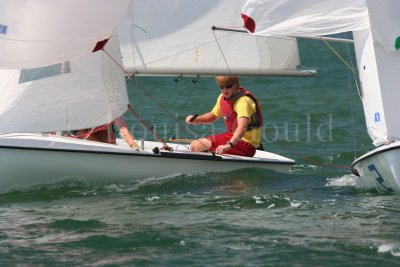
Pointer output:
x,y
227,80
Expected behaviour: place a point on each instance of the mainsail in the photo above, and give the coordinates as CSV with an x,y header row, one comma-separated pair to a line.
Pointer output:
x,y
176,38
40,33
304,17
75,94
376,29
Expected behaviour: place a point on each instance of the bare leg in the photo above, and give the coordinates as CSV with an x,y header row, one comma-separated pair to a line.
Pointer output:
x,y
106,136
201,144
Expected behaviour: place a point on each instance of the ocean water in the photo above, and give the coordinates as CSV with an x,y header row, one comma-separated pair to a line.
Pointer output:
x,y
318,215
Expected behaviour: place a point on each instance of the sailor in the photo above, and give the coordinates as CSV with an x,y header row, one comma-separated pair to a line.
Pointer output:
x,y
242,116
105,133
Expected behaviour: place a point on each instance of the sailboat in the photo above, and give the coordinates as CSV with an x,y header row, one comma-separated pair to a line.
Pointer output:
x,y
376,33
65,72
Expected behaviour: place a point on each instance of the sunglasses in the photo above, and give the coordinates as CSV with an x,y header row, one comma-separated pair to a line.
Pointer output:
x,y
228,86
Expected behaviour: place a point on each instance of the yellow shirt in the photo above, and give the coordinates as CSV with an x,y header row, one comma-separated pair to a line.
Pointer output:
x,y
244,108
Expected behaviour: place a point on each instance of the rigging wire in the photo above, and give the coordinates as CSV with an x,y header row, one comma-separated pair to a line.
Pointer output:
x,y
165,146
169,102
131,25
117,64
222,53
309,160
194,82
138,100
351,102
350,65
339,56
149,95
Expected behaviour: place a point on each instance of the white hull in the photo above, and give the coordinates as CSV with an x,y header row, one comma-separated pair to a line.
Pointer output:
x,y
32,159
380,167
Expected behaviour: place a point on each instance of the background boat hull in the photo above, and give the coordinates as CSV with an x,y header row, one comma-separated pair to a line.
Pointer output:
x,y
381,168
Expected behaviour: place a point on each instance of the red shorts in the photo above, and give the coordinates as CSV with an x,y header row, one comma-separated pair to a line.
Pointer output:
x,y
242,148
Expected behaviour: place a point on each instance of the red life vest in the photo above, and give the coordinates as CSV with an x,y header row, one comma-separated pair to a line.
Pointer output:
x,y
230,116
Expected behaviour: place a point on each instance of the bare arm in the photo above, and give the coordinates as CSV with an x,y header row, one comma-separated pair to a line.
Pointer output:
x,y
240,130
202,119
124,132
237,135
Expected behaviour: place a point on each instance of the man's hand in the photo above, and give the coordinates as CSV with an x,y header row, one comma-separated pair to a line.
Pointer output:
x,y
222,149
190,119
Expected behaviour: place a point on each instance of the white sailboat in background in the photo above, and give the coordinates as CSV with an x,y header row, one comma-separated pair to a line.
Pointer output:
x,y
378,57
71,79
376,31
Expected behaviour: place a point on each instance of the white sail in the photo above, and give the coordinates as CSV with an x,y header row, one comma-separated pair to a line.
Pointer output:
x,y
369,80
75,94
304,17
379,66
176,38
40,33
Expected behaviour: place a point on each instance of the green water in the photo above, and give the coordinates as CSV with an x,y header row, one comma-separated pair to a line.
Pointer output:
x,y
319,215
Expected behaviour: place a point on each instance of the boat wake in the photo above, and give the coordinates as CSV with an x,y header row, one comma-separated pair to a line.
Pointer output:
x,y
393,249
350,180
247,202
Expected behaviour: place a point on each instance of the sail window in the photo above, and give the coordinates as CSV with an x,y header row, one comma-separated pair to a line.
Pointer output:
x,y
3,29
28,75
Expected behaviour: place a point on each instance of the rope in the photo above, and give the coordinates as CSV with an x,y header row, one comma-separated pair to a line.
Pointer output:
x,y
149,95
307,159
355,76
117,63
91,131
222,53
165,146
130,12
169,103
194,81
351,102
338,55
